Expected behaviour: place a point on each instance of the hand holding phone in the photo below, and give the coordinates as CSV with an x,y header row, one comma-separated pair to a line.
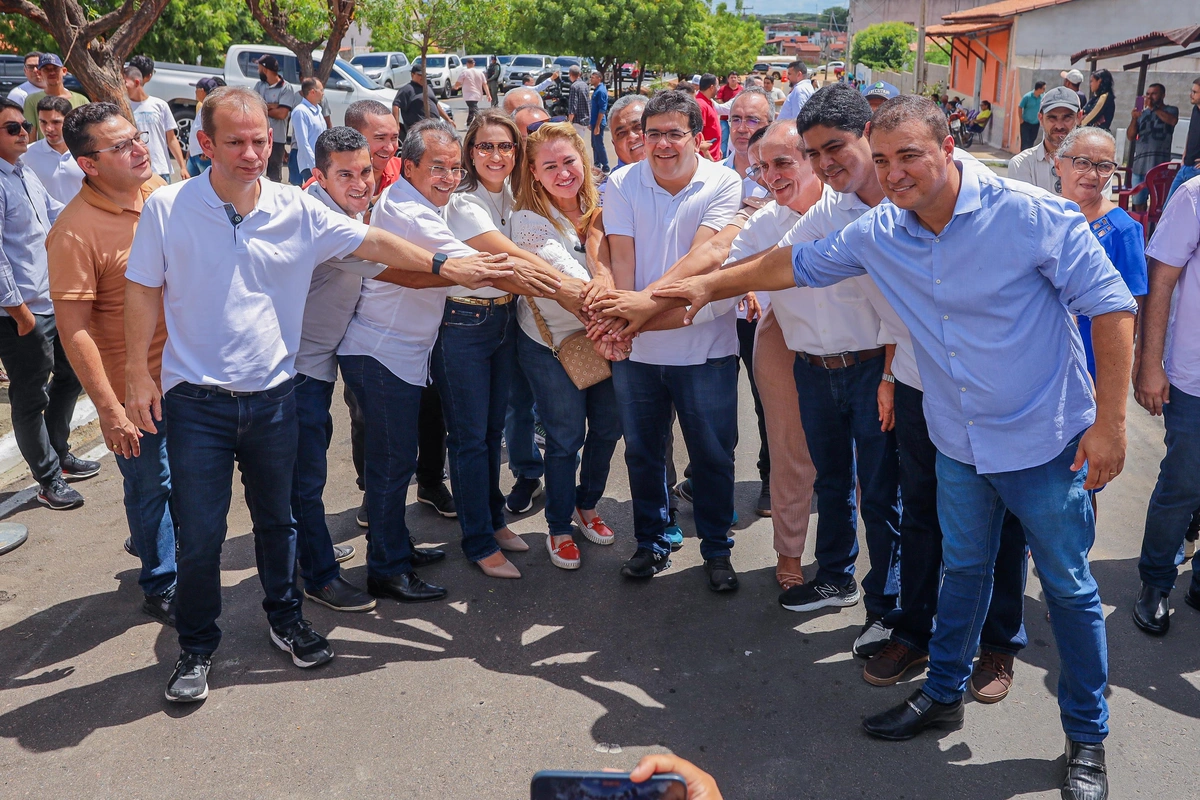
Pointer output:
x,y
565,785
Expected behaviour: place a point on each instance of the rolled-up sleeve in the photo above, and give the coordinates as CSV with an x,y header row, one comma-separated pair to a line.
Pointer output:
x,y
1074,262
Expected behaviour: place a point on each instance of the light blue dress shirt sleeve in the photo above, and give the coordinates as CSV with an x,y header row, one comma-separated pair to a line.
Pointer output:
x,y
10,294
1075,263
829,260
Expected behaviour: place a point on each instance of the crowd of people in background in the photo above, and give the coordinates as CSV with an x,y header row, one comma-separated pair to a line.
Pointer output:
x,y
507,290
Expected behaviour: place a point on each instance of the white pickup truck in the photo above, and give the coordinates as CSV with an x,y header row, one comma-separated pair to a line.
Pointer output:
x,y
175,83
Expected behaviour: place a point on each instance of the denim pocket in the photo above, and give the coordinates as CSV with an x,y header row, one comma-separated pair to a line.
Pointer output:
x,y
190,391
281,391
460,316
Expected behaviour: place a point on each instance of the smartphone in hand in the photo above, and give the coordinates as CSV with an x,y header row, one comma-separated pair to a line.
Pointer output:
x,y
563,785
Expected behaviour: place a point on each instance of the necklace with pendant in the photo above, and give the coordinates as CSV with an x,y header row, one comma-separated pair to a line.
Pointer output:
x,y
499,211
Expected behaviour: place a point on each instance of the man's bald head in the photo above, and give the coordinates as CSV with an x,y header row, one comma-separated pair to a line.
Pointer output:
x,y
525,116
521,96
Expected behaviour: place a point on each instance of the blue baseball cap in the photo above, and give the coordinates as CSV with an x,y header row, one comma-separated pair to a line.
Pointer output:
x,y
49,59
880,89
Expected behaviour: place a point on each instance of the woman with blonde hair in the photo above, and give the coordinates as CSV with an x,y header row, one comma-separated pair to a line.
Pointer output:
x,y
556,201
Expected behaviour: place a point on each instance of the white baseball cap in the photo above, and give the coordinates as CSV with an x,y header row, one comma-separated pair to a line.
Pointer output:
x,y
1073,75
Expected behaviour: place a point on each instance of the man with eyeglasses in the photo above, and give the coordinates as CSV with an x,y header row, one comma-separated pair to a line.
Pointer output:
x,y
1059,116
30,349
654,213
34,82
89,248
50,67
228,258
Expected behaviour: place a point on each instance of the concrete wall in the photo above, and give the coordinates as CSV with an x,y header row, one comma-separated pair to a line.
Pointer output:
x,y
1047,37
906,82
869,12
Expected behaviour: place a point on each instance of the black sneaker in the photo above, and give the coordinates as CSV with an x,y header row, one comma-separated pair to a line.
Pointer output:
x,y
58,496
129,548
721,577
340,595
520,499
308,648
161,606
683,489
343,553
645,564
189,681
763,507
439,498
811,596
872,638
76,469
361,516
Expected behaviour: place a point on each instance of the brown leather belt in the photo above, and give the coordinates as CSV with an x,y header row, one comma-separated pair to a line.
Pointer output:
x,y
483,301
843,360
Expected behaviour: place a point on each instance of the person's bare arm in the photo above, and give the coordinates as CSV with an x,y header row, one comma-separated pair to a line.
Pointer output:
x,y
599,259
1151,386
277,111
177,152
886,396
1166,116
1103,445
143,400
770,271
473,271
531,274
23,317
72,318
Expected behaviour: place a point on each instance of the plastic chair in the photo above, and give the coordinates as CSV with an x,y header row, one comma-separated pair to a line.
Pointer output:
x,y
1157,183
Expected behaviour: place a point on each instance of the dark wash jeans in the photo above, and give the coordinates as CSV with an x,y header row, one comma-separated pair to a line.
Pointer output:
x,y
921,546
390,407
148,501
431,438
1176,496
473,362
839,410
745,331
705,398
210,432
41,412
524,458
575,419
314,427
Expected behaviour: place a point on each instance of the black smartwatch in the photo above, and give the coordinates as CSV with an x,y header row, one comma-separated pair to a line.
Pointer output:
x,y
438,260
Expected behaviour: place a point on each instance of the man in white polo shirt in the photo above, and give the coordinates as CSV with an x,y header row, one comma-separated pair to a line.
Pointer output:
x,y
654,213
48,156
229,257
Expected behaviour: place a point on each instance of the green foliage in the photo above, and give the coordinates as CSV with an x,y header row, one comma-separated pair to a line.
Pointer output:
x,y
406,25
883,46
936,55
840,15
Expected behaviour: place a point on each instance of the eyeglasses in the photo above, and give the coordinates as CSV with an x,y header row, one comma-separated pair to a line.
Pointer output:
x,y
1084,165
121,148
758,171
446,172
15,128
673,136
753,122
488,148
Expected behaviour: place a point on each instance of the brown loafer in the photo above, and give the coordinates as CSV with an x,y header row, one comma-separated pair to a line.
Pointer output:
x,y
992,677
889,665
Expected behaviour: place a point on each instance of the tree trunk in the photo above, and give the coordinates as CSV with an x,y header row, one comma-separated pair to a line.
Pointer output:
x,y
342,13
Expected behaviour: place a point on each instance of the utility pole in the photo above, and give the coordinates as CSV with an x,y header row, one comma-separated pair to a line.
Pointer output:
x,y
919,69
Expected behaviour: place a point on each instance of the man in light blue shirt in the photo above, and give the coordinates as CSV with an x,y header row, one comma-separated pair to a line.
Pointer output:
x,y
308,122
1007,398
802,89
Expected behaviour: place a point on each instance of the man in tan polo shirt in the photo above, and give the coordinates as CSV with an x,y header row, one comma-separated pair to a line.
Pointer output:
x,y
88,249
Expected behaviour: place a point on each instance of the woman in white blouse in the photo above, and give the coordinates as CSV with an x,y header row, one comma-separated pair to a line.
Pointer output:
x,y
557,200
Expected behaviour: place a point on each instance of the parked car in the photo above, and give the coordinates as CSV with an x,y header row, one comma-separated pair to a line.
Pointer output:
x,y
175,83
564,63
505,60
775,66
383,67
481,61
441,72
522,66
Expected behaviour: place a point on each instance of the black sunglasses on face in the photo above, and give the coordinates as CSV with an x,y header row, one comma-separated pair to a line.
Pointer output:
x,y
15,128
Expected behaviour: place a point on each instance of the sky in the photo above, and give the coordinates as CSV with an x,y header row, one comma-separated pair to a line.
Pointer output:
x,y
790,6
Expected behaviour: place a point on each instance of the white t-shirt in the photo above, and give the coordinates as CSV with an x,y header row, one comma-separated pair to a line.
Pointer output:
x,y
234,296
392,324
18,93
1176,242
154,117
563,250
471,214
59,173
663,226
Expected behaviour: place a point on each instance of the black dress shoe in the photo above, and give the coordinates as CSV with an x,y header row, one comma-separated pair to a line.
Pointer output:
x,y
1152,611
407,588
341,595
918,712
424,556
1087,779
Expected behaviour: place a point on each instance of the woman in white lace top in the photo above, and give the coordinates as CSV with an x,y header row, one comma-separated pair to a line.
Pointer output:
x,y
556,201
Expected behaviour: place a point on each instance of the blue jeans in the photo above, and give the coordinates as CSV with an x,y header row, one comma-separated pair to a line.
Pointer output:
x,y
197,164
1060,526
724,138
390,408
599,152
1175,497
473,362
921,546
294,176
524,458
209,433
705,398
575,419
1184,175
315,427
147,481
839,411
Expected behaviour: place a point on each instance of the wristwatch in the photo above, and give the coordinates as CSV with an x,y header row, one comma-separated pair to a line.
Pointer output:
x,y
889,377
438,260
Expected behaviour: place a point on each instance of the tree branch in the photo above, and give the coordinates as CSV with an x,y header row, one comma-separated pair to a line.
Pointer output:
x,y
103,24
27,10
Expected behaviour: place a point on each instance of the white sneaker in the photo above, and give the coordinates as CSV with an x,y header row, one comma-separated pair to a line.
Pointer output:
x,y
872,639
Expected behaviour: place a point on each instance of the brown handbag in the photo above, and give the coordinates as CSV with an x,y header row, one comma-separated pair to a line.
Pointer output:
x,y
583,365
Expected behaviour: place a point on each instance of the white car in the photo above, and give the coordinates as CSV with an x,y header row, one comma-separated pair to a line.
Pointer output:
x,y
521,66
383,67
441,73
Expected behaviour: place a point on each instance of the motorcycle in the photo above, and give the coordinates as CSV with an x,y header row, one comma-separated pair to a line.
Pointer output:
x,y
554,98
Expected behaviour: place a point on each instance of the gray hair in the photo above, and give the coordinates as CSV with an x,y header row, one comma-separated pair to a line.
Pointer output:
x,y
419,136
574,70
625,102
596,73
133,73
1080,132
759,92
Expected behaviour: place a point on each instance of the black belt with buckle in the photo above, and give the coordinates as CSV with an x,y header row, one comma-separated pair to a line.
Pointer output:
x,y
227,392
843,360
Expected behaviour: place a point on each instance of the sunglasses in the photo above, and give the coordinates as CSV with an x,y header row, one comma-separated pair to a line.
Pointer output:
x,y
488,148
15,128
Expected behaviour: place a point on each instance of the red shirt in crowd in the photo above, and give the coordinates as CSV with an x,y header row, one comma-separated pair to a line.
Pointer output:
x,y
725,94
712,125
